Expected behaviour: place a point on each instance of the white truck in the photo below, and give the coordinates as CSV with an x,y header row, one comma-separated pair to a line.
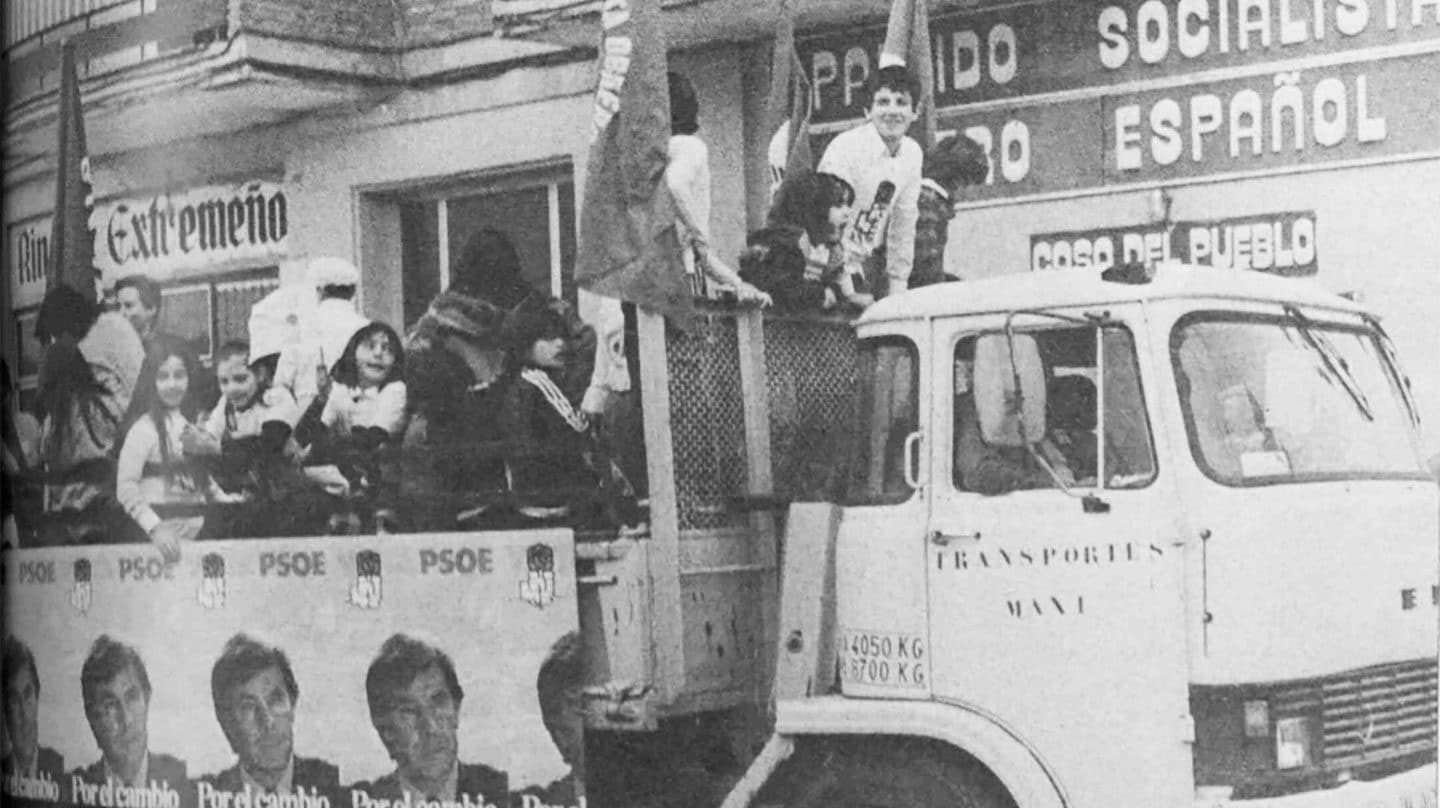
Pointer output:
x,y
1228,598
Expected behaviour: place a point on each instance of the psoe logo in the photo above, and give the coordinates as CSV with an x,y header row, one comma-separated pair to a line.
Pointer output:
x,y
81,595
366,592
538,588
212,581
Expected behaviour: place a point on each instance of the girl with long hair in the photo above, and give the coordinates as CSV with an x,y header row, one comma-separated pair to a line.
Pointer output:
x,y
797,257
163,491
357,424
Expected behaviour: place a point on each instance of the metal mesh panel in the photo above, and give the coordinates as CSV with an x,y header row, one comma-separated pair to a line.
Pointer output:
x,y
810,373
707,422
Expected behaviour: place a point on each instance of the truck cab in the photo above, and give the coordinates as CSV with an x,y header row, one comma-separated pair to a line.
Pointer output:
x,y
1146,537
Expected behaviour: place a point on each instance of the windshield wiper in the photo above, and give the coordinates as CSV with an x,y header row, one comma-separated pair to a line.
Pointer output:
x,y
1337,370
1387,350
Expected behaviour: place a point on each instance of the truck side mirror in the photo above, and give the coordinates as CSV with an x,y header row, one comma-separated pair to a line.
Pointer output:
x,y
1003,413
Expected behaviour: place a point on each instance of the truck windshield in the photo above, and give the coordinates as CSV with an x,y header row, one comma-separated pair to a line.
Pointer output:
x,y
1282,399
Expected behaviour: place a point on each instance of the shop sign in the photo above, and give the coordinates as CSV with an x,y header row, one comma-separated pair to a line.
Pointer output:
x,y
27,256
172,234
1286,119
1266,122
1032,48
1035,149
1278,243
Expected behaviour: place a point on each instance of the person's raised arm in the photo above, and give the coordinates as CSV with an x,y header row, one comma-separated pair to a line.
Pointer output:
x,y
686,173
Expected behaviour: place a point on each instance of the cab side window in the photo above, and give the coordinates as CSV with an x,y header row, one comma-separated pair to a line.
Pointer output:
x,y
887,413
1071,453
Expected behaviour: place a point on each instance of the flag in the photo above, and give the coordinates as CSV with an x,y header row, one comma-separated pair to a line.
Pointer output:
x,y
629,246
789,104
72,246
907,42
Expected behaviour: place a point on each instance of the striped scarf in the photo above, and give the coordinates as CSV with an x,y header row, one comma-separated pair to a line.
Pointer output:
x,y
551,391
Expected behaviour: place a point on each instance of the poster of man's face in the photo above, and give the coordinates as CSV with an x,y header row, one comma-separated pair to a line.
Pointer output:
x,y
419,729
261,720
22,711
119,717
293,687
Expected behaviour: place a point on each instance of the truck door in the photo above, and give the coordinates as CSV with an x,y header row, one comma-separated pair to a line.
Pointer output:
x,y
1058,616
880,573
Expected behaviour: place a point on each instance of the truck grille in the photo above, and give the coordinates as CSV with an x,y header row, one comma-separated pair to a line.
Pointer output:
x,y
1368,715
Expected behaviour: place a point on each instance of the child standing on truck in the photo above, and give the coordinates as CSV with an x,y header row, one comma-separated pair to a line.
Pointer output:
x,y
687,176
883,165
357,422
797,256
557,465
247,440
153,475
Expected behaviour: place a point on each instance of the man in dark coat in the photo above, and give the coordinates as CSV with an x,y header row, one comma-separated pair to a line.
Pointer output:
x,y
28,760
116,692
414,696
455,372
255,696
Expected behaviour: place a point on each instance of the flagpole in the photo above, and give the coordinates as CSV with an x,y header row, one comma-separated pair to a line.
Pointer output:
x,y
72,256
907,42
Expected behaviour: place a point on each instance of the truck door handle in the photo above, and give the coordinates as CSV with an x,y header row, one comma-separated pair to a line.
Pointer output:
x,y
911,459
942,539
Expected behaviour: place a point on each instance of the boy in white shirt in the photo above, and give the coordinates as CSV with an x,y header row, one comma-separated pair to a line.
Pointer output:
x,y
883,165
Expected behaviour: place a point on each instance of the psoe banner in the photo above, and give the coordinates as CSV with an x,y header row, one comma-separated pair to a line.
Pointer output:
x,y
173,234
1279,243
421,670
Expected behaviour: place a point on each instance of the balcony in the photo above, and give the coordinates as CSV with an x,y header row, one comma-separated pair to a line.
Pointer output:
x,y
156,71
159,71
108,36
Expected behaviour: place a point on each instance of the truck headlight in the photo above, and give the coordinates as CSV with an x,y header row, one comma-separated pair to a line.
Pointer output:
x,y
1294,743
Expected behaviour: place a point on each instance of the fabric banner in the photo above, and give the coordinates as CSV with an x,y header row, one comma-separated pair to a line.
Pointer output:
x,y
788,105
360,668
629,247
71,241
907,42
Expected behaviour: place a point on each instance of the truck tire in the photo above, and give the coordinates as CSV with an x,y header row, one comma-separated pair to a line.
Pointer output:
x,y
882,772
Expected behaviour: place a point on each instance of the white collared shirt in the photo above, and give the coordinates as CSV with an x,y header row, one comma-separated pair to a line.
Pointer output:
x,y
861,157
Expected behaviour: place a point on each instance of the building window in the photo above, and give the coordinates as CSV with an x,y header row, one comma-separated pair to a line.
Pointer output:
x,y
210,312
534,207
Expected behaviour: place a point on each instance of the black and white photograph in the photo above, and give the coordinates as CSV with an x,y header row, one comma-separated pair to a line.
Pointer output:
x,y
720,403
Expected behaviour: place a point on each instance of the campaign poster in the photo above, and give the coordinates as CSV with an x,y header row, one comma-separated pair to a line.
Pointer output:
x,y
377,672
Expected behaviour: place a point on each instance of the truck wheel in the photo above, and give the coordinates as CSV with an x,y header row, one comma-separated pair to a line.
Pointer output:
x,y
882,773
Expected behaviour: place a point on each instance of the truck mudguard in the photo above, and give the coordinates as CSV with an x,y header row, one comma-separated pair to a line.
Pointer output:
x,y
1019,768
